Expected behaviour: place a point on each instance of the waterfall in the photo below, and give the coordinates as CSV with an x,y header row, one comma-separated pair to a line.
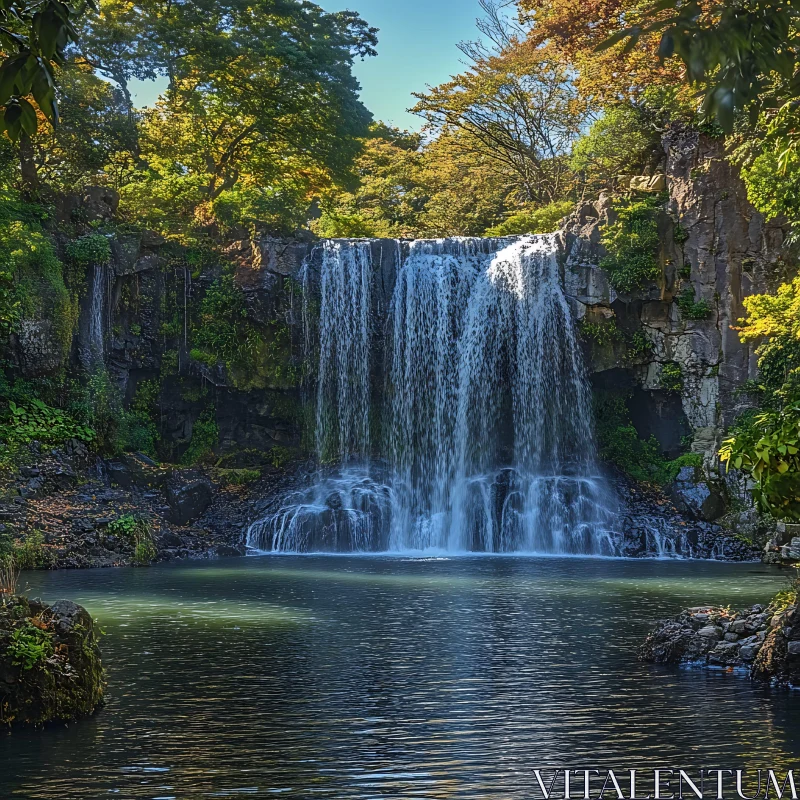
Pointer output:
x,y
343,407
92,352
486,440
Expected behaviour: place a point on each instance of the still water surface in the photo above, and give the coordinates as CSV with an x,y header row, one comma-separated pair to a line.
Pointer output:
x,y
348,677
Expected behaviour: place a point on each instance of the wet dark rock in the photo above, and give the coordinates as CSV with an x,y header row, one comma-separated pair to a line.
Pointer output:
x,y
696,497
144,472
765,643
227,550
187,501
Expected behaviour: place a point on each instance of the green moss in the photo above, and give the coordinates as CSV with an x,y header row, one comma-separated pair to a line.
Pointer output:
x,y
238,477
632,244
50,674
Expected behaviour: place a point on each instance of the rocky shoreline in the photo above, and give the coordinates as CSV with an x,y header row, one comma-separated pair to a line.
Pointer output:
x,y
67,513
762,641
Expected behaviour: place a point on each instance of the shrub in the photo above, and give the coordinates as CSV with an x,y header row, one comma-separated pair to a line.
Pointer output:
x,y
38,421
89,250
767,446
638,346
632,244
205,438
620,444
539,220
691,308
671,379
602,333
31,553
139,534
621,141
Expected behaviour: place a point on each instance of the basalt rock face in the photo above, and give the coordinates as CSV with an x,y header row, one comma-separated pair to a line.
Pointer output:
x,y
714,244
763,641
50,667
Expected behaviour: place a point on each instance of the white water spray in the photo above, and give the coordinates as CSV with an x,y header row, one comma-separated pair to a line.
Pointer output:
x,y
486,418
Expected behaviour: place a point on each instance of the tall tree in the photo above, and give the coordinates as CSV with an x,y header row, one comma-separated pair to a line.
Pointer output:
x,y
518,105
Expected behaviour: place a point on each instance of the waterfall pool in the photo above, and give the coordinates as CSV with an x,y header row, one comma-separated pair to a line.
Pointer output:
x,y
365,677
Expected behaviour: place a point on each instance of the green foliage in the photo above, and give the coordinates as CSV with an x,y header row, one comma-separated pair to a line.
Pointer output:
x,y
638,346
137,531
238,477
538,220
671,379
600,333
680,235
730,50
767,446
223,333
38,421
89,250
621,142
632,243
29,646
765,443
254,357
690,307
32,553
34,36
619,444
279,456
138,429
773,183
205,439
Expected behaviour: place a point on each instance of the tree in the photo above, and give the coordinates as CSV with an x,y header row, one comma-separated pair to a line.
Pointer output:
x,y
390,196
34,35
520,107
572,30
621,142
261,97
767,443
732,50
95,140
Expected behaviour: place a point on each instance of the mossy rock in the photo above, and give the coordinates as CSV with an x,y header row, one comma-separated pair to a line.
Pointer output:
x,y
50,665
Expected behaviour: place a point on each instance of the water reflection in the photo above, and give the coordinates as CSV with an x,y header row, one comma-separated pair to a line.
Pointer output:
x,y
358,678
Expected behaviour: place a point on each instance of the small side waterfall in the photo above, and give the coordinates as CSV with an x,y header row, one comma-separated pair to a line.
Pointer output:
x,y
92,350
486,442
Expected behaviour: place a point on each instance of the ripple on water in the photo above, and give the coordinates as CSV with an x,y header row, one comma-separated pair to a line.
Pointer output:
x,y
393,677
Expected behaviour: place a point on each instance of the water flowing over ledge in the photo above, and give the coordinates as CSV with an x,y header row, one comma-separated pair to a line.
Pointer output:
x,y
460,414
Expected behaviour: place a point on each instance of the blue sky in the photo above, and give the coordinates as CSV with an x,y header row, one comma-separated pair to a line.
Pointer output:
x,y
417,47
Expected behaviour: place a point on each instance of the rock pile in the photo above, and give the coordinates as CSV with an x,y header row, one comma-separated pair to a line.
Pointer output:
x,y
763,641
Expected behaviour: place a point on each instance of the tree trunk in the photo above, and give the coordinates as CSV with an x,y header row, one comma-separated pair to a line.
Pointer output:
x,y
27,165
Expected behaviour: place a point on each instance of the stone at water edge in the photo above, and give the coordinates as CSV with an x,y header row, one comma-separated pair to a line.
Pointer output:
x,y
766,642
64,685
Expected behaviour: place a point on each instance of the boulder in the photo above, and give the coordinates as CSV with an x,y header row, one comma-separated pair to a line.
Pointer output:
x,y
187,501
64,681
144,472
696,497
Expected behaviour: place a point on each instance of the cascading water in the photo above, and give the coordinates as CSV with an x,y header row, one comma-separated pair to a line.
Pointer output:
x,y
487,441
92,352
